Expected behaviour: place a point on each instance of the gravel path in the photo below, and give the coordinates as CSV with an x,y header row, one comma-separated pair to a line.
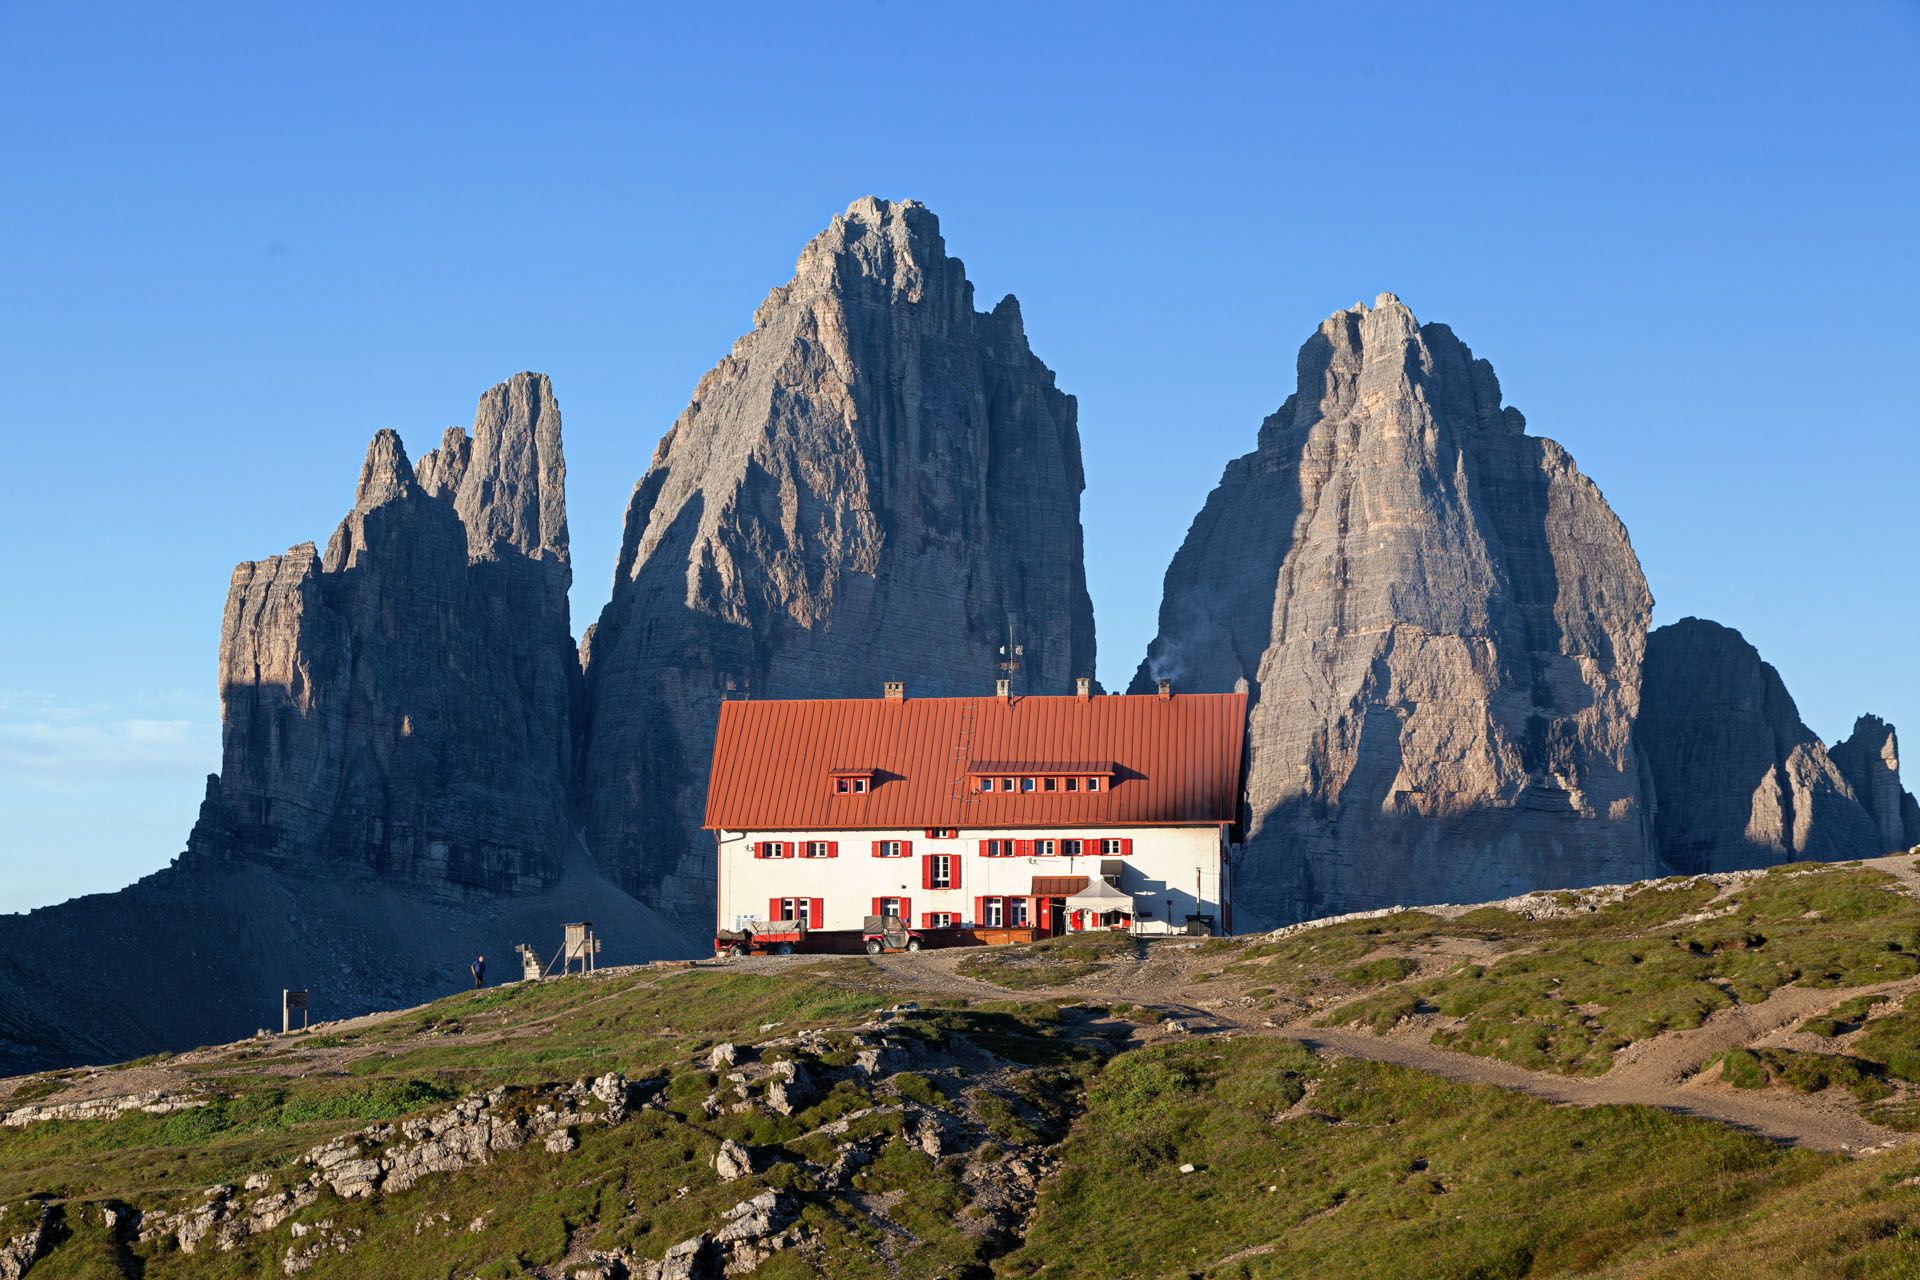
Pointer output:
x,y
1782,1117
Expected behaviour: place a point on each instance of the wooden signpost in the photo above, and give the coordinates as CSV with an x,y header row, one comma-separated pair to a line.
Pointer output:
x,y
289,1001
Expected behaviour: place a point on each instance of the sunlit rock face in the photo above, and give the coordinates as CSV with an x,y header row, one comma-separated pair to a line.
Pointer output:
x,y
879,482
1869,759
404,704
1441,623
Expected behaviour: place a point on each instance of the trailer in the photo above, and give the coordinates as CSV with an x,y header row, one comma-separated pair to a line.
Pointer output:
x,y
792,937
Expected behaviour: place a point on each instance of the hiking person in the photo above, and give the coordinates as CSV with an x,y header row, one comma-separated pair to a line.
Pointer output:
x,y
479,971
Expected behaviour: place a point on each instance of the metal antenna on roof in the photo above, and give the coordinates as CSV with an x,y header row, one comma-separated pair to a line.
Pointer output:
x,y
1011,653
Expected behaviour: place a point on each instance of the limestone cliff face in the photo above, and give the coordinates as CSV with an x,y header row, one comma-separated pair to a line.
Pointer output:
x,y
1739,781
878,482
1441,623
1869,760
405,704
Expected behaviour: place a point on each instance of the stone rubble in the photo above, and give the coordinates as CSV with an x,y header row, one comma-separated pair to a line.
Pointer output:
x,y
388,1158
157,1102
18,1253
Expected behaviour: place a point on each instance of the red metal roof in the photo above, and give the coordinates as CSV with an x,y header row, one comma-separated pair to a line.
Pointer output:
x,y
1175,760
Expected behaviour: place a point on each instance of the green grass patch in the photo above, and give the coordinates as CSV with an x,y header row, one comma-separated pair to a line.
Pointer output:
x,y
1585,985
1387,1172
1375,972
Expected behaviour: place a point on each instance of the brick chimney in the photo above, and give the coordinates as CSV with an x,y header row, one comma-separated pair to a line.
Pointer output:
x,y
896,691
1083,688
1003,690
1166,691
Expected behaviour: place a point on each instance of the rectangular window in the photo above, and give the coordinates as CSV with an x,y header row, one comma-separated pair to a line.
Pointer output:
x,y
1116,848
1026,784
817,849
994,911
1044,848
805,910
940,874
937,919
996,848
1071,848
1093,784
1049,784
891,848
1073,784
1006,784
986,784
887,907
773,849
850,786
1017,913
943,833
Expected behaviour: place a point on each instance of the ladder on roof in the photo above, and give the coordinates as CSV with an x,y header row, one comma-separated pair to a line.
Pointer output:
x,y
962,753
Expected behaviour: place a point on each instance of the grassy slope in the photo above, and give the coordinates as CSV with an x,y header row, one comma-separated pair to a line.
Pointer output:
x,y
1376,1171
1570,992
1386,1172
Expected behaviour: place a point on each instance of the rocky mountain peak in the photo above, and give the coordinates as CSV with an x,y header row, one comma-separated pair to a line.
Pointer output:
x,y
385,475
1739,779
1869,758
878,482
406,705
882,251
1440,621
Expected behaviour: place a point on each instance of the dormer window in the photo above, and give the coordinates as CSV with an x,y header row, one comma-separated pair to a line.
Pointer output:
x,y
850,782
986,784
1073,784
1093,784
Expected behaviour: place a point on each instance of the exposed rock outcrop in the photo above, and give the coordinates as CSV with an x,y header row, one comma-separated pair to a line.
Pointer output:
x,y
404,704
878,482
1869,759
1440,622
1739,781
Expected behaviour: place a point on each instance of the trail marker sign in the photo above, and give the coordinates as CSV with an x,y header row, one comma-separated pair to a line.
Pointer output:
x,y
289,1001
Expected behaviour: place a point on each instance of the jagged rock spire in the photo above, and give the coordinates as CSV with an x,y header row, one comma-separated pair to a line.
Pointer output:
x,y
877,482
406,705
1869,758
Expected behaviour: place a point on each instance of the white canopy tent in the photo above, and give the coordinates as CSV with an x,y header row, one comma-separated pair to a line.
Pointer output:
x,y
1100,897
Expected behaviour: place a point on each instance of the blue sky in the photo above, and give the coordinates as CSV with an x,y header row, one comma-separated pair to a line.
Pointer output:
x,y
235,241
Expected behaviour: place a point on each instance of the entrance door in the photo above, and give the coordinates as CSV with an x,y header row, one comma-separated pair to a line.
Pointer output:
x,y
1056,917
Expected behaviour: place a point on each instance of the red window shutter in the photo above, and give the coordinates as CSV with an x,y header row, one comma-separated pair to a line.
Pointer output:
x,y
953,873
983,849
833,848
1023,848
906,848
926,919
906,910
816,913
1126,847
926,872
876,848
759,848
979,910
773,909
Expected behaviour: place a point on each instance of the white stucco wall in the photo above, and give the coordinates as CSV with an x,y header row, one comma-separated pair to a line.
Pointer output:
x,y
1172,871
